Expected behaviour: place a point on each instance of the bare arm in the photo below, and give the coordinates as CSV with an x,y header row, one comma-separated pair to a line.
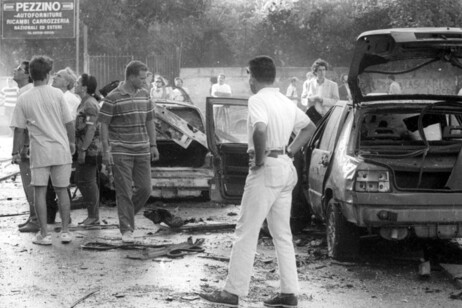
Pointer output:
x,y
18,143
302,138
151,127
71,135
259,141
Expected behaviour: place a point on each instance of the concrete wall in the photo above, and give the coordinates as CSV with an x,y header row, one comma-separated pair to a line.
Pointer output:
x,y
197,80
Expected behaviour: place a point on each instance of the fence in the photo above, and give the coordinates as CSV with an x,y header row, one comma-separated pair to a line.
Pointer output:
x,y
107,68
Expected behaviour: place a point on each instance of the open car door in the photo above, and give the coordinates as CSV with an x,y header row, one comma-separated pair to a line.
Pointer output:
x,y
226,120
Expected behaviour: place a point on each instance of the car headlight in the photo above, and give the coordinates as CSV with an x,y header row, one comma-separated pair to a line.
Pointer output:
x,y
372,181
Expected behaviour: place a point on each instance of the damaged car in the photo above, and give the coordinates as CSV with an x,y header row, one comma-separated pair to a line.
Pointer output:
x,y
184,168
390,162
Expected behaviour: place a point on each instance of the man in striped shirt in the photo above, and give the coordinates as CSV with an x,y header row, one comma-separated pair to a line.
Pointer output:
x,y
128,136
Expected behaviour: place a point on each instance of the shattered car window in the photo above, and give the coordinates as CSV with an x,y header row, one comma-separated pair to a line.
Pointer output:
x,y
421,142
411,76
230,123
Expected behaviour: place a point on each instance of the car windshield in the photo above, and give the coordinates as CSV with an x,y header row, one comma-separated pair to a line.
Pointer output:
x,y
412,76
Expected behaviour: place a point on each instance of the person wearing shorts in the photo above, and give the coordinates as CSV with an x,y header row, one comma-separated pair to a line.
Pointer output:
x,y
43,112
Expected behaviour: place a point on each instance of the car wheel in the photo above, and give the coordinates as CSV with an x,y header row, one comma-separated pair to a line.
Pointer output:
x,y
342,236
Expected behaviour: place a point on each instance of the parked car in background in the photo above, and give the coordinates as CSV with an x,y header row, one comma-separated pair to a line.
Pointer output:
x,y
391,164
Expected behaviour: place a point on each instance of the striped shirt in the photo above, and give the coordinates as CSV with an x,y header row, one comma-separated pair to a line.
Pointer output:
x,y
11,96
126,116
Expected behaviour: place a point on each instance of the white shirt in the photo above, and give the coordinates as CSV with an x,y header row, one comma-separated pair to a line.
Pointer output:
x,y
328,90
394,88
280,115
72,102
220,88
43,111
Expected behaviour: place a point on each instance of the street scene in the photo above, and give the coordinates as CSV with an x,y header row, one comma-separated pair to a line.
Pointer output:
x,y
289,153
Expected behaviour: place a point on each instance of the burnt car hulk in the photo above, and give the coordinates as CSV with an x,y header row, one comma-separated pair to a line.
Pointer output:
x,y
391,161
184,169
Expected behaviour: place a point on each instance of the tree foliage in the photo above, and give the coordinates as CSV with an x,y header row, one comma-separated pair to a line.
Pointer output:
x,y
228,33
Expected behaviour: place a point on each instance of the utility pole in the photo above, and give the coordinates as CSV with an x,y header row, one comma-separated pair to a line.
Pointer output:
x,y
77,35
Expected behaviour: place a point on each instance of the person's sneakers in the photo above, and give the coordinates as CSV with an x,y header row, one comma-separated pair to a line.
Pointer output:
x,y
30,227
24,223
40,240
282,300
66,237
221,297
90,222
128,237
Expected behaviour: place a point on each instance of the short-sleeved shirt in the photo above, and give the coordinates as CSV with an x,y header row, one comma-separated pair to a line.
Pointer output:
x,y
126,116
281,117
43,111
72,102
225,88
87,114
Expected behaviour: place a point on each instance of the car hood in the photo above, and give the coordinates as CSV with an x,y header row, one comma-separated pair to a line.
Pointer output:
x,y
425,63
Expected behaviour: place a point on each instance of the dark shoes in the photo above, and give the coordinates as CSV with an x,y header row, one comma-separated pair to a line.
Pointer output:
x,y
30,227
282,300
24,223
221,297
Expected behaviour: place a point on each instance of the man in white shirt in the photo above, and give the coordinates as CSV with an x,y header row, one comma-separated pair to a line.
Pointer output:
x,y
394,87
221,89
268,190
322,92
43,111
65,80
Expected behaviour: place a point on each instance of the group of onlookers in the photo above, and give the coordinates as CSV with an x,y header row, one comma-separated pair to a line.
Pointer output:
x,y
58,123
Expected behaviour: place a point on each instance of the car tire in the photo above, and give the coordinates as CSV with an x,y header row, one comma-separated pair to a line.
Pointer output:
x,y
342,236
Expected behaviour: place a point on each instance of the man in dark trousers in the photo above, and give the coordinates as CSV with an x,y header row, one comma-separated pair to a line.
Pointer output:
x,y
128,135
268,191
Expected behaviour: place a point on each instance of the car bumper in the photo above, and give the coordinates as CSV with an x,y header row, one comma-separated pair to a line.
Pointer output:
x,y
430,215
180,182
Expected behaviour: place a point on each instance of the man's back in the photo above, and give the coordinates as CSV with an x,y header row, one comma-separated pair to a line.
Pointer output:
x,y
280,115
43,112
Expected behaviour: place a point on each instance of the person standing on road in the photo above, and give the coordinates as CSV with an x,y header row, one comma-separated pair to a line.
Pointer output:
x,y
221,89
268,190
88,146
22,77
43,112
128,136
292,92
322,92
393,85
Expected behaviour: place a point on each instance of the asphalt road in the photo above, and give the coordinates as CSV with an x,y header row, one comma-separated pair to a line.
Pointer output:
x,y
386,275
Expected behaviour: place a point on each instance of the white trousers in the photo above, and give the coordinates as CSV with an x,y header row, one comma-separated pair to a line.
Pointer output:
x,y
267,194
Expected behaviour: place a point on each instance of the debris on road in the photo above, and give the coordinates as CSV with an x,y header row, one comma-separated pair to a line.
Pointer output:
x,y
171,250
424,269
158,216
83,298
215,257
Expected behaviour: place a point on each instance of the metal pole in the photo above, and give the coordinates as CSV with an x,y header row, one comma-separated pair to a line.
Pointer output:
x,y
77,35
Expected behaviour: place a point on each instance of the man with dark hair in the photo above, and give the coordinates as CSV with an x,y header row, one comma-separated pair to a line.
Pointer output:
x,y
43,112
322,92
22,77
128,136
268,190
